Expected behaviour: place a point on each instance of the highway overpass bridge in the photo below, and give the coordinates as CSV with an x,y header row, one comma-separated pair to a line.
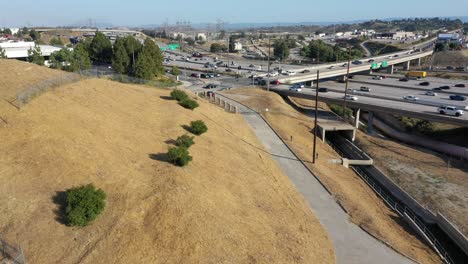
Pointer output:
x,y
372,105
336,70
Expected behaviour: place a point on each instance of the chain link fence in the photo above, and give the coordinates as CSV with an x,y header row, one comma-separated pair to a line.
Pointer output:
x,y
26,95
10,254
37,89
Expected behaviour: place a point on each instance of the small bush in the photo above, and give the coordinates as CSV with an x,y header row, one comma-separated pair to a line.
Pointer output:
x,y
179,95
198,127
189,103
84,204
179,156
185,141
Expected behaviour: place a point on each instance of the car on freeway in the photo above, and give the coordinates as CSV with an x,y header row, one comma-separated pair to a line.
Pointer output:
x,y
260,82
450,110
350,97
430,93
195,75
450,68
396,55
295,88
290,73
460,85
344,65
403,79
410,98
300,85
228,70
457,97
357,62
305,71
436,89
445,87
210,86
377,77
252,66
323,90
365,89
331,67
272,74
204,76
275,82
424,83
371,60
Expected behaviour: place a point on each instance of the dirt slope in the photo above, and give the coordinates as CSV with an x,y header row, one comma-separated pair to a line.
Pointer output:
x,y
363,206
232,204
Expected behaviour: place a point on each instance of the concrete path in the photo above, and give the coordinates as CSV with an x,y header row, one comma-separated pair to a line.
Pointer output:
x,y
352,244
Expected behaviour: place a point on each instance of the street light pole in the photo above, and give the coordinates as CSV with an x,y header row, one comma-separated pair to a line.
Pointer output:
x,y
268,67
346,85
315,121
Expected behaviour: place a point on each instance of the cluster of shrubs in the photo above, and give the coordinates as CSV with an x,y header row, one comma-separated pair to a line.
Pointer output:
x,y
84,204
180,155
183,99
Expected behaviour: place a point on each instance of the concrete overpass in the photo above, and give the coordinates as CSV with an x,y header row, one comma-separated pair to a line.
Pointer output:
x,y
379,105
402,58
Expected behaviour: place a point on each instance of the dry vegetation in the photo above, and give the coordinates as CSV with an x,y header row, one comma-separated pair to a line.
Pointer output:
x,y
435,181
365,208
232,204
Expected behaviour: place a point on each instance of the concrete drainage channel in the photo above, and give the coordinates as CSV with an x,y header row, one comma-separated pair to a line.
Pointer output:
x,y
432,233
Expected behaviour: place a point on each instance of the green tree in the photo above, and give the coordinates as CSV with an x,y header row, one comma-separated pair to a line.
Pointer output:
x,y
133,48
439,47
178,156
6,31
190,41
149,63
35,55
2,53
84,204
61,59
198,127
56,41
34,35
185,141
101,48
281,49
25,31
175,71
120,58
216,47
80,59
232,42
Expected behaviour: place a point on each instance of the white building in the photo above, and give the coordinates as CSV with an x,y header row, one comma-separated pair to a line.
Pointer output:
x,y
237,46
16,50
201,36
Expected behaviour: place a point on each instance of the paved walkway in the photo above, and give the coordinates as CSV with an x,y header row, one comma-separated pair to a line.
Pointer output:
x,y
352,244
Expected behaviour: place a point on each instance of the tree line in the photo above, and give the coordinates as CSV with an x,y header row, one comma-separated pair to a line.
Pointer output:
x,y
127,56
318,49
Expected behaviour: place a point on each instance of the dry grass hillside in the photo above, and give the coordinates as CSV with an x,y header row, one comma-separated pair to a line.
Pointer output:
x,y
232,204
364,207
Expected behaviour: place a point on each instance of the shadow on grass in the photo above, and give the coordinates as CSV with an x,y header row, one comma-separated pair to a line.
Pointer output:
x,y
165,97
171,142
159,157
60,199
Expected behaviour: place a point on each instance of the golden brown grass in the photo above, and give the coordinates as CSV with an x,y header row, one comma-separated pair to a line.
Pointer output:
x,y
232,204
364,207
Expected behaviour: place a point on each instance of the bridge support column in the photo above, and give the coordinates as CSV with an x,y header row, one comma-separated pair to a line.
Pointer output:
x,y
419,62
407,65
357,113
370,123
390,69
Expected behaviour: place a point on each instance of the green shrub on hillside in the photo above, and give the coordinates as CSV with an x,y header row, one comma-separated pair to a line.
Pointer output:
x,y
179,156
189,103
179,95
84,204
198,127
185,141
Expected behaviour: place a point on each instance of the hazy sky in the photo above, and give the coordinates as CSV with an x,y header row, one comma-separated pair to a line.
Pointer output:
x,y
141,12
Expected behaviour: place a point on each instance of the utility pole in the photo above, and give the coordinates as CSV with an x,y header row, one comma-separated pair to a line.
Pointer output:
x,y
315,121
346,85
268,67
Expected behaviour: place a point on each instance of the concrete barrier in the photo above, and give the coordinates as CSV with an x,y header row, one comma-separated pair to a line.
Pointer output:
x,y
452,231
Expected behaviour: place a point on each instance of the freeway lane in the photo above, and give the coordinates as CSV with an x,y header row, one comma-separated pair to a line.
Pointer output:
x,y
395,93
378,105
